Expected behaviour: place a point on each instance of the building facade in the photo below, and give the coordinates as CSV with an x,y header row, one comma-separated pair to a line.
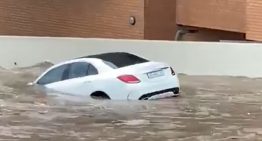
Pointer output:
x,y
197,20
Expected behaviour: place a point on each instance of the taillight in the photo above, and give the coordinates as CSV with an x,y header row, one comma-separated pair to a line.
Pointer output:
x,y
172,71
128,79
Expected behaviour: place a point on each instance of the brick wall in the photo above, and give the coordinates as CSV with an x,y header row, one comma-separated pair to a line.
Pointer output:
x,y
76,18
254,20
204,34
160,19
217,14
155,19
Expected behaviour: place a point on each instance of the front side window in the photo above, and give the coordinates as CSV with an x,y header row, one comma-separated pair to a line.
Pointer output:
x,y
54,75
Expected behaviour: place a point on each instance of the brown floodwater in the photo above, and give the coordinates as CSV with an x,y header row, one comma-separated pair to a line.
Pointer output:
x,y
210,108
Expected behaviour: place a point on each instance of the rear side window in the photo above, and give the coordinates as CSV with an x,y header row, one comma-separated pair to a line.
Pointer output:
x,y
78,70
92,70
81,69
54,75
110,64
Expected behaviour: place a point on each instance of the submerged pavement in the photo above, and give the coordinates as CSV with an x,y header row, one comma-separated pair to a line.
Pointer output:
x,y
209,108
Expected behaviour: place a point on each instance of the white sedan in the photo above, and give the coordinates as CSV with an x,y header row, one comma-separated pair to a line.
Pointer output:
x,y
116,76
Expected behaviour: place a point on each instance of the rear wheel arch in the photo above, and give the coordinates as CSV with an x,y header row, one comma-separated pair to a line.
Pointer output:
x,y
100,95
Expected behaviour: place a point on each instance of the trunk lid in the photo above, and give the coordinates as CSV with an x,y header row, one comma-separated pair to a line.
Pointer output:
x,y
148,72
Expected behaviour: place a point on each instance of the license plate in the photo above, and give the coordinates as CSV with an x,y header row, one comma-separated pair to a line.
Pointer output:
x,y
155,74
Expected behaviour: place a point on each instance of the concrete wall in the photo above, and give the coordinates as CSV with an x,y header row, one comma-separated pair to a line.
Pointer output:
x,y
234,59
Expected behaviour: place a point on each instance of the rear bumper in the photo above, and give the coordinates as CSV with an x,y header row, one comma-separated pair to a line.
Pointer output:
x,y
142,91
148,95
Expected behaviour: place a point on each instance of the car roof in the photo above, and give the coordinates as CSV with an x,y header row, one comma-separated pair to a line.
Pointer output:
x,y
105,56
112,56
120,59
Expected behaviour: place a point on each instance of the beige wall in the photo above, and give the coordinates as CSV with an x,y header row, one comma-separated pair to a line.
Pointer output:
x,y
193,58
73,18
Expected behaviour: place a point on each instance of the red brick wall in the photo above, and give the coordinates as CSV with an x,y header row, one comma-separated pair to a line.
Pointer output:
x,y
227,15
77,18
204,34
160,19
156,19
254,20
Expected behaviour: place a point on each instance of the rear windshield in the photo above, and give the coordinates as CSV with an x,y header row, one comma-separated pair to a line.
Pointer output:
x,y
119,60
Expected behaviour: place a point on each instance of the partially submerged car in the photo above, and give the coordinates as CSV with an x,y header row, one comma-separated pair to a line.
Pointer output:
x,y
116,76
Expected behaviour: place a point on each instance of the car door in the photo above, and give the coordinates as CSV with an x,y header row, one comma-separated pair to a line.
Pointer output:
x,y
79,79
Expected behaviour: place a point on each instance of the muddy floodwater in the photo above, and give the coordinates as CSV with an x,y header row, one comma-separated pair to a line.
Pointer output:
x,y
209,109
